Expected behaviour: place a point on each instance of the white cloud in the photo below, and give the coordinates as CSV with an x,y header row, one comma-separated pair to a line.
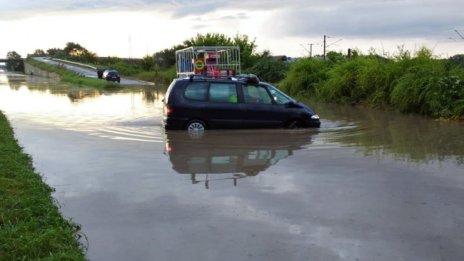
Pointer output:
x,y
280,27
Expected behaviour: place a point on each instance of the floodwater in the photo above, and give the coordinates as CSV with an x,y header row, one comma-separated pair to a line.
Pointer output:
x,y
367,185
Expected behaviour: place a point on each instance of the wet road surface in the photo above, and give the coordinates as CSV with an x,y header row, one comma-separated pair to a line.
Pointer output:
x,y
367,185
88,72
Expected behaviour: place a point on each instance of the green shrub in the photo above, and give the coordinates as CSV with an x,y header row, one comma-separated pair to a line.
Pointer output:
x,y
304,75
420,84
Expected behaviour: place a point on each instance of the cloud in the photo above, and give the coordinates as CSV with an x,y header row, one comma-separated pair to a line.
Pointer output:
x,y
18,9
298,18
372,19
275,24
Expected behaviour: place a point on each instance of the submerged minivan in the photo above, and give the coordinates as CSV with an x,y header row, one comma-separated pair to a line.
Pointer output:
x,y
197,103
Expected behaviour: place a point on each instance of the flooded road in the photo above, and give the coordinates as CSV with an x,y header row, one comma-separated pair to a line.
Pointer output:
x,y
367,185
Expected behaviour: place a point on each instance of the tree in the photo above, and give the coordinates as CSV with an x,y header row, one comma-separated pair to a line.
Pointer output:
x,y
271,69
39,53
335,57
166,57
247,47
147,62
56,53
457,59
209,39
77,52
14,61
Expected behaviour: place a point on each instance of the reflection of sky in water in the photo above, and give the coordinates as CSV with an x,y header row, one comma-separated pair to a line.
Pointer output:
x,y
125,116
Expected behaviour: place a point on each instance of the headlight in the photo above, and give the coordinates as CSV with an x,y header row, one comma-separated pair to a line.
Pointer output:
x,y
315,117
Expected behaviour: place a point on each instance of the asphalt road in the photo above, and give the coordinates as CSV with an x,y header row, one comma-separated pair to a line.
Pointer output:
x,y
89,72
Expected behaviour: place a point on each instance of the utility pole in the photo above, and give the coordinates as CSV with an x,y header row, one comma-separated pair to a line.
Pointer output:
x,y
325,43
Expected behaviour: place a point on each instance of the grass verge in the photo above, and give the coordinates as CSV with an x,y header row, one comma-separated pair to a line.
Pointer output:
x,y
418,84
31,226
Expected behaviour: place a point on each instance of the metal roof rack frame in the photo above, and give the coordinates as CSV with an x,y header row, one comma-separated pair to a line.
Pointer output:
x,y
244,78
216,61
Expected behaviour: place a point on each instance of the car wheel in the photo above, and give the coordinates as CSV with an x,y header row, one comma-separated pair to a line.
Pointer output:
x,y
196,126
295,124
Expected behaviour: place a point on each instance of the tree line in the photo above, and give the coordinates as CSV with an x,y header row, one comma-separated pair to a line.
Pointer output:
x,y
418,83
162,63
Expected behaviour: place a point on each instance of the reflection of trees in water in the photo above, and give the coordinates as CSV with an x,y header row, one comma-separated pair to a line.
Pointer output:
x,y
16,85
407,137
77,95
150,94
153,95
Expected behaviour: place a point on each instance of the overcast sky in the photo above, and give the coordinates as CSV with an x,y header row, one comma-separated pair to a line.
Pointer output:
x,y
134,28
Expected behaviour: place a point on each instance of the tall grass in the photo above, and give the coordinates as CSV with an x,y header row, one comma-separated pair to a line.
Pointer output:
x,y
31,226
411,84
304,76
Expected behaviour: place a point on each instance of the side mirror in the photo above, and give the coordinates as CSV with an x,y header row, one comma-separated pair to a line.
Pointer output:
x,y
293,104
290,104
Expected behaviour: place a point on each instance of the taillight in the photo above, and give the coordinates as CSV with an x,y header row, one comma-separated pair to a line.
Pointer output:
x,y
168,110
168,148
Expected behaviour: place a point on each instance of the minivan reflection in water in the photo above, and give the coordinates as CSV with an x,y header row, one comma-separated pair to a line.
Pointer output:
x,y
198,103
230,155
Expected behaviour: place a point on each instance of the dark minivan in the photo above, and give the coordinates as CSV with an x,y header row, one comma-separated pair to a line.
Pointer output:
x,y
198,103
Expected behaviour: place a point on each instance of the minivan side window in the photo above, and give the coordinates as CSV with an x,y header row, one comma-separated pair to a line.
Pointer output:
x,y
256,95
196,91
279,97
223,92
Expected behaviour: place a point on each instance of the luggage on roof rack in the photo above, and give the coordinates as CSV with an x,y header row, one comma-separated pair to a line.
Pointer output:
x,y
208,61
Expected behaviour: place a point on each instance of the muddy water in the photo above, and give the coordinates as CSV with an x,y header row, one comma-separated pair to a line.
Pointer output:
x,y
367,185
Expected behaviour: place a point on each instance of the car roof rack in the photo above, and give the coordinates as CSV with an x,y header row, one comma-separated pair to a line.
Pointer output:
x,y
209,77
209,60
245,78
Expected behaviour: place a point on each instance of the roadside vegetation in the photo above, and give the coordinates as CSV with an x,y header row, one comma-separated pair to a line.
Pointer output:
x,y
31,226
418,83
160,67
410,83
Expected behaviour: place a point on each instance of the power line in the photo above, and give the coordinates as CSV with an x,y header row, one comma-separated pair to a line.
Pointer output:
x,y
327,45
460,35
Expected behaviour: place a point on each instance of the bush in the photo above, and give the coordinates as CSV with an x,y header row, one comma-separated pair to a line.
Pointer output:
x,y
270,69
421,84
304,76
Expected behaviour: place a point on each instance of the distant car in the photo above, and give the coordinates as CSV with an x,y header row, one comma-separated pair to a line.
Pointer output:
x,y
198,103
100,72
111,75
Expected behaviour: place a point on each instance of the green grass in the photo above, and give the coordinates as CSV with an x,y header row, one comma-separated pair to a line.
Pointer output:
x,y
31,226
418,84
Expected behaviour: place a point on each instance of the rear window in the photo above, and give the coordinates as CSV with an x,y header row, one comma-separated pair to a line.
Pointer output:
x,y
196,91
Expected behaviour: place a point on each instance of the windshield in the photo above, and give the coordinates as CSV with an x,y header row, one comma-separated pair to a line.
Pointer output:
x,y
279,96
